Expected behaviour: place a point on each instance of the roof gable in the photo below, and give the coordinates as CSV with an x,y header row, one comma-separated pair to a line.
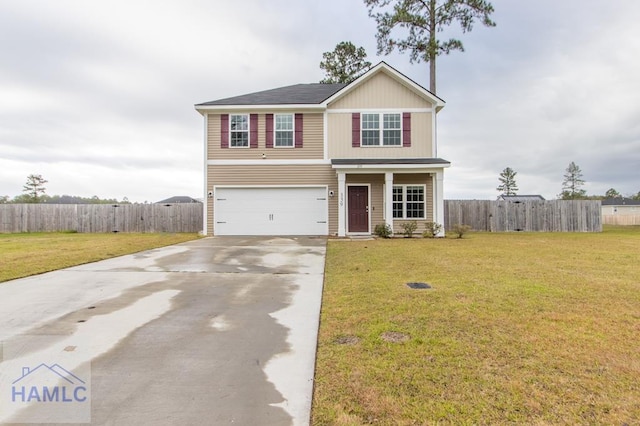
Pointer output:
x,y
394,74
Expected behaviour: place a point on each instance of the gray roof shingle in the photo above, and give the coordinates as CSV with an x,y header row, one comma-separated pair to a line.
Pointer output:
x,y
620,202
363,161
314,93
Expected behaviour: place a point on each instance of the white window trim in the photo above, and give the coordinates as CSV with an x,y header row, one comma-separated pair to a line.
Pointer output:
x,y
404,201
293,132
380,130
237,131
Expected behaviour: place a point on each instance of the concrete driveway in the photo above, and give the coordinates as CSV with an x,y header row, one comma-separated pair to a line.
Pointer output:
x,y
215,331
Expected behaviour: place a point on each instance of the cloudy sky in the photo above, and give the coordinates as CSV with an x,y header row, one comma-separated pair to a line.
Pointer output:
x,y
98,97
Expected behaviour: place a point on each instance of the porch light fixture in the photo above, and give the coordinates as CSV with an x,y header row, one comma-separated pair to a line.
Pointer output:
x,y
264,156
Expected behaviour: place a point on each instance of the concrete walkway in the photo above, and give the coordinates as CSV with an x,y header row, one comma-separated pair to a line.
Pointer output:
x,y
215,331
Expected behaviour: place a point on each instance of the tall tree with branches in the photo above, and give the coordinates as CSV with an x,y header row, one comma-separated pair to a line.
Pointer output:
x,y
507,181
344,64
572,183
419,22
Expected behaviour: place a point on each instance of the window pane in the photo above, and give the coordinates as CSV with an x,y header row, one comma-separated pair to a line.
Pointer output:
x,y
370,137
397,202
284,130
370,121
415,202
284,122
239,122
239,139
391,121
284,138
392,137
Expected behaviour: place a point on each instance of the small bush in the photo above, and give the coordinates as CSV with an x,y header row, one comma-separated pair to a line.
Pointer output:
x,y
408,228
431,229
460,229
383,230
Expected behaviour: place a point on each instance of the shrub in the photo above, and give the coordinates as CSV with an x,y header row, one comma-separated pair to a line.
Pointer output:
x,y
460,230
408,228
431,229
383,230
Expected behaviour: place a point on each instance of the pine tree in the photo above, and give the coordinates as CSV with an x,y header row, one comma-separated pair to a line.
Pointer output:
x,y
507,181
572,183
420,21
346,63
34,188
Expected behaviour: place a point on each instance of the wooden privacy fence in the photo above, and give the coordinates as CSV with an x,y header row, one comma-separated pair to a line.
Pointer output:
x,y
101,217
545,216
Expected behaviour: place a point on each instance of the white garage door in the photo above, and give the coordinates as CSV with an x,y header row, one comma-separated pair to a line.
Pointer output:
x,y
270,211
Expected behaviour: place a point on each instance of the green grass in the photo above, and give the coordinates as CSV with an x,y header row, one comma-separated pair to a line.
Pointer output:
x,y
519,328
34,253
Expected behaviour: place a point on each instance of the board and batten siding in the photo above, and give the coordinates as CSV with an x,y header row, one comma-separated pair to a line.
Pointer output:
x,y
340,139
380,91
275,175
312,140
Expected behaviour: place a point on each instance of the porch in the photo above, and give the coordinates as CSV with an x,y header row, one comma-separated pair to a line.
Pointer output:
x,y
381,191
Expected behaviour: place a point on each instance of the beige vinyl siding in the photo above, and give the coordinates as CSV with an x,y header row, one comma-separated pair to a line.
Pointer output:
x,y
381,91
312,140
340,138
275,175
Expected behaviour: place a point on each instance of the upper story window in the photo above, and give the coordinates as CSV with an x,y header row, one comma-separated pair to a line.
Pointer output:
x,y
284,130
381,129
239,131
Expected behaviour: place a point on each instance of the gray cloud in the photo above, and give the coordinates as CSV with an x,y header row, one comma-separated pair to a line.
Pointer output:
x,y
98,97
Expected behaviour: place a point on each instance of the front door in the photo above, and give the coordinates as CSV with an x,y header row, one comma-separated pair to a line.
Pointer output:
x,y
358,208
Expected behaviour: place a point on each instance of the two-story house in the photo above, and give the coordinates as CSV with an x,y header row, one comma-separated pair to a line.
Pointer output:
x,y
323,159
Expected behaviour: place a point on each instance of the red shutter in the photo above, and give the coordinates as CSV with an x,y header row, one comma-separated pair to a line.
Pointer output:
x,y
224,131
269,130
253,131
355,129
406,129
298,127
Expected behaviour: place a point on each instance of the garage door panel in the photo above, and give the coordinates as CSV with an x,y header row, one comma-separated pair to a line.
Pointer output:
x,y
271,211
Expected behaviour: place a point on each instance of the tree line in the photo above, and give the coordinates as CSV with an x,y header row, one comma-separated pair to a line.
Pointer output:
x,y
34,191
572,184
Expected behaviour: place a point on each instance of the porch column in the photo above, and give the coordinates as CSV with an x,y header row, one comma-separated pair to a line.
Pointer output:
x,y
388,197
342,204
438,200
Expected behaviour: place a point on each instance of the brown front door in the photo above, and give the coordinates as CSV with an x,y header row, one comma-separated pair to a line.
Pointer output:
x,y
358,208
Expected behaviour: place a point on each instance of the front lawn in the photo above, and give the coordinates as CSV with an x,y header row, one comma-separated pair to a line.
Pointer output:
x,y
535,328
27,254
